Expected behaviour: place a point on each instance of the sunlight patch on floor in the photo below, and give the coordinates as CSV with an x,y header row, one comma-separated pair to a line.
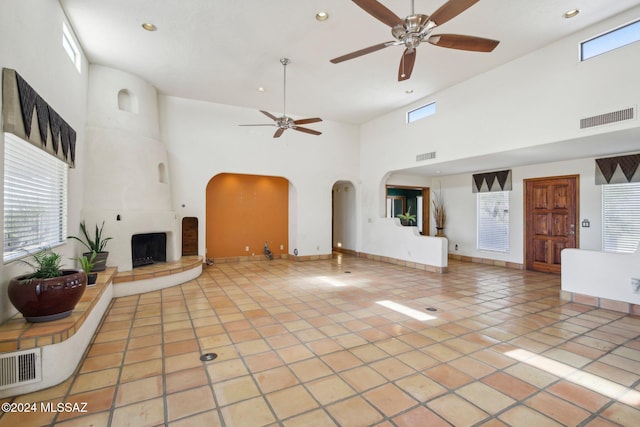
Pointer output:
x,y
592,382
332,281
408,311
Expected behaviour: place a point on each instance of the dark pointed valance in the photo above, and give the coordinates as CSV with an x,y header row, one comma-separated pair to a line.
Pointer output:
x,y
491,181
618,170
50,133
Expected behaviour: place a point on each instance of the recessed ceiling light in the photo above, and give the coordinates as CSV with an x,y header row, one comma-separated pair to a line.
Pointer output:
x,y
408,91
571,13
260,89
322,16
149,26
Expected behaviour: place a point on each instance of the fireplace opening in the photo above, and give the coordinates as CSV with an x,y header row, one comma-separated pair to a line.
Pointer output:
x,y
148,248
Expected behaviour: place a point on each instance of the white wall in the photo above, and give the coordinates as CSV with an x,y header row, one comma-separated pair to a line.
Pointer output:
x,y
461,208
204,139
31,43
583,273
535,100
124,187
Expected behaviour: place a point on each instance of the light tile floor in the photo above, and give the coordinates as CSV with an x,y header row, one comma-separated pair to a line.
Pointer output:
x,y
354,342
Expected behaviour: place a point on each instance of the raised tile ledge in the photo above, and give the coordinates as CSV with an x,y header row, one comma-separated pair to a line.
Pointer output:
x,y
62,342
157,276
18,334
158,270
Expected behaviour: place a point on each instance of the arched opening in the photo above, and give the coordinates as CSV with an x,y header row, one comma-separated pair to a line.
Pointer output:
x,y
344,229
162,173
245,212
127,101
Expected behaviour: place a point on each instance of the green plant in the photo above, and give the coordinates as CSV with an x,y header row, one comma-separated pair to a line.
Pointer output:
x,y
408,216
97,244
87,263
46,264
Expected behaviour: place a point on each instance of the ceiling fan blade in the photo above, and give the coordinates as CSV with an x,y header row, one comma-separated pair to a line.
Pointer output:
x,y
458,41
361,52
307,130
406,64
278,132
450,10
380,12
307,121
268,114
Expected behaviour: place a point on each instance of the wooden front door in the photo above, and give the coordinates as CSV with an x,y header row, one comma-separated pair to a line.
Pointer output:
x,y
189,236
551,218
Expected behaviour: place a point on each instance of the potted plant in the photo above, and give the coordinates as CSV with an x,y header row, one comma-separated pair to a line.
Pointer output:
x,y
49,292
96,244
87,265
439,214
407,218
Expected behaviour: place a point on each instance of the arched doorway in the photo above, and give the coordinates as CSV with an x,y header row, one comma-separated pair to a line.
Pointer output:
x,y
343,235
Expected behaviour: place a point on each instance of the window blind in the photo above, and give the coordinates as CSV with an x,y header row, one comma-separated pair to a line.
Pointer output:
x,y
35,198
620,217
493,221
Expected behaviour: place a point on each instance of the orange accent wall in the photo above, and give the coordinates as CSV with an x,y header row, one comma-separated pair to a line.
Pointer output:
x,y
246,210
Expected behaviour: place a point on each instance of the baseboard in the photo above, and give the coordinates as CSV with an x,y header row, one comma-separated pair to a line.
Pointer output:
x,y
487,261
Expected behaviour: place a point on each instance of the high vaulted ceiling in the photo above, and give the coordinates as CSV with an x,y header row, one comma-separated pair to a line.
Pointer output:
x,y
223,50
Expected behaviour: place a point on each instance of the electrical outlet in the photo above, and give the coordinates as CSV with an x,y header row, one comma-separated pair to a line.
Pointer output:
x,y
456,246
635,285
246,248
281,247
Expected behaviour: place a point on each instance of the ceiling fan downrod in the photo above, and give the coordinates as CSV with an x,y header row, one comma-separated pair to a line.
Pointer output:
x,y
285,62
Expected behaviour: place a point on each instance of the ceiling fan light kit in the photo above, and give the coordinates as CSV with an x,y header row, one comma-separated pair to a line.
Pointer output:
x,y
415,29
284,122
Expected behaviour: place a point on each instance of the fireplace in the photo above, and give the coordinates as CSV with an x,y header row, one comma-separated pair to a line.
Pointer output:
x,y
149,248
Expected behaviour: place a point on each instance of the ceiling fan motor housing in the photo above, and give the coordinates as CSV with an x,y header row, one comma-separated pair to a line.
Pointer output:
x,y
414,30
285,122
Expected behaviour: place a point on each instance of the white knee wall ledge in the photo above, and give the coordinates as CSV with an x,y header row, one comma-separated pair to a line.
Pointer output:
x,y
601,275
60,360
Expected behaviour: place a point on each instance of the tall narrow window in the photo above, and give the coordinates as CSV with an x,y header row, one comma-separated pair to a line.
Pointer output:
x,y
70,46
493,221
35,198
620,217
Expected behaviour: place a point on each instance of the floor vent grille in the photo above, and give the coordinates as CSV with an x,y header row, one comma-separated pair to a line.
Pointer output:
x,y
426,156
20,367
603,119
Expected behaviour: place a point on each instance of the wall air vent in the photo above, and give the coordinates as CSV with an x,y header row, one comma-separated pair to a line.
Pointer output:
x,y
603,119
426,156
20,367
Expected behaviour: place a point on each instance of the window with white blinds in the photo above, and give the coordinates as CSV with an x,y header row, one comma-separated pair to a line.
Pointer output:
x,y
493,221
35,198
620,217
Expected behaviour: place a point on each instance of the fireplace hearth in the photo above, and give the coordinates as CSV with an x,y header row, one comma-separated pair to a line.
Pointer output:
x,y
149,248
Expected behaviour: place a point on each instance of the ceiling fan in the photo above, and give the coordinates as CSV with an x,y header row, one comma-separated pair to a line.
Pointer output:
x,y
415,29
284,122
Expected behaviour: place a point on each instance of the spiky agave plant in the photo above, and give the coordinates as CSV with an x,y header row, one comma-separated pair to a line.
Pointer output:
x,y
95,244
